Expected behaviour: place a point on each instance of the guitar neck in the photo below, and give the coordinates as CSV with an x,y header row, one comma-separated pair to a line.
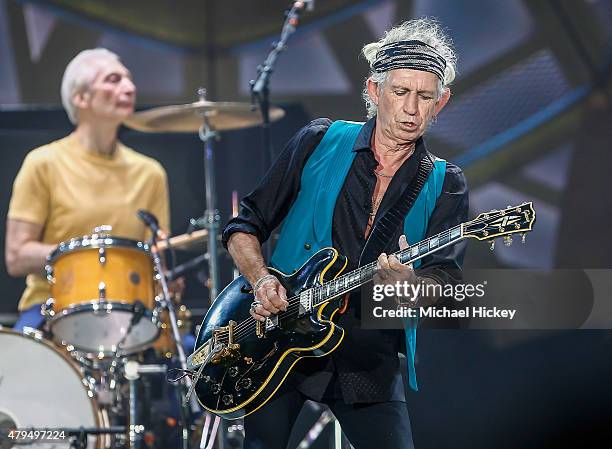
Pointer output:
x,y
356,278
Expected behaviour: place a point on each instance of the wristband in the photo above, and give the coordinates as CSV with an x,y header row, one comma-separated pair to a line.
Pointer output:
x,y
261,280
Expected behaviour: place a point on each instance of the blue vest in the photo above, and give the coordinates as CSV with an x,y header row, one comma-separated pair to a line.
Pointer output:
x,y
309,221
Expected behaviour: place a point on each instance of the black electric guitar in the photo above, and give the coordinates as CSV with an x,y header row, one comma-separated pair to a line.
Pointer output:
x,y
239,363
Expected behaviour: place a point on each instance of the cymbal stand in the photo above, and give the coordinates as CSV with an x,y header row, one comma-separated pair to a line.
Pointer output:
x,y
211,214
211,218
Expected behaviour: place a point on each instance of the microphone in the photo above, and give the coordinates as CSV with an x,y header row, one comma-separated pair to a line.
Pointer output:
x,y
150,220
186,267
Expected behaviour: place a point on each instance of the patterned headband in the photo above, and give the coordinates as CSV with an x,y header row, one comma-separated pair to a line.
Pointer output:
x,y
414,54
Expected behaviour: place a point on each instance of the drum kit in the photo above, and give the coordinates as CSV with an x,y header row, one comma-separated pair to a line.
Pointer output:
x,y
110,309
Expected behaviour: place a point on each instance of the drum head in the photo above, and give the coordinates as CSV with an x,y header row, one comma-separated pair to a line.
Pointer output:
x,y
98,327
41,387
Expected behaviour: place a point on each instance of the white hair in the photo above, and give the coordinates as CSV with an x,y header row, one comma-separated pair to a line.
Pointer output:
x,y
426,30
78,76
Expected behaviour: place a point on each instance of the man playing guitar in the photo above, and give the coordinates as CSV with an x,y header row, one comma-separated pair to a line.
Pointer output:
x,y
337,184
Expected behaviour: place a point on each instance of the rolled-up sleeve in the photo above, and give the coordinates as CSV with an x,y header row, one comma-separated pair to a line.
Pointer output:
x,y
262,210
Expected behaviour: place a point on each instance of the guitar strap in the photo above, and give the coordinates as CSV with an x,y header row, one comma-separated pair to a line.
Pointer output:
x,y
386,226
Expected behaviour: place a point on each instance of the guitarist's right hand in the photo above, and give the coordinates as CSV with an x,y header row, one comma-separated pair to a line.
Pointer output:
x,y
272,298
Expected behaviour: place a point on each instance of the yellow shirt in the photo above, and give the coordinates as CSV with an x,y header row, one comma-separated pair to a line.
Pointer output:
x,y
69,190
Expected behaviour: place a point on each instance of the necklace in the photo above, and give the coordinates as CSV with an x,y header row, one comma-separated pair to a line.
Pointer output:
x,y
375,206
382,175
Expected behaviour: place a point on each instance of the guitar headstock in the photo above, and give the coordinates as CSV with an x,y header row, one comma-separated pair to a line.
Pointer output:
x,y
498,223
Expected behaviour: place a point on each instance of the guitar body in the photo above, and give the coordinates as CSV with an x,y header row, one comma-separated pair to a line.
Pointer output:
x,y
243,380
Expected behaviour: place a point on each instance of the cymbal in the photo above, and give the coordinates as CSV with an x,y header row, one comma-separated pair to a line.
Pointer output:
x,y
195,240
222,116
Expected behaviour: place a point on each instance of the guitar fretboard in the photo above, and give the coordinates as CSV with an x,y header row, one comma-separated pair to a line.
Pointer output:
x,y
353,279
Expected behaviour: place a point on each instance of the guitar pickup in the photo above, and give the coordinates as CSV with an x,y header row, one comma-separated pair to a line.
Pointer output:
x,y
260,330
305,302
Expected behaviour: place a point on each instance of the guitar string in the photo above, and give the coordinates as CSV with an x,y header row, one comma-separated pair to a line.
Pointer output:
x,y
247,325
294,305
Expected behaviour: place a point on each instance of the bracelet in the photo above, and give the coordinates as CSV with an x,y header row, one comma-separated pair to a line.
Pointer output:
x,y
261,280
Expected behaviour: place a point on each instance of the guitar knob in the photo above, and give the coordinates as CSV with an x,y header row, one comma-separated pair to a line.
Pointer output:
x,y
216,388
227,399
233,371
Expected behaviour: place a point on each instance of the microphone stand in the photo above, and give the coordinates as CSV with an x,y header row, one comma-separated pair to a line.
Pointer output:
x,y
260,91
166,302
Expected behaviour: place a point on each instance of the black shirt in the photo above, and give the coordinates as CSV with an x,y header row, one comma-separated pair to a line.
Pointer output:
x,y
365,368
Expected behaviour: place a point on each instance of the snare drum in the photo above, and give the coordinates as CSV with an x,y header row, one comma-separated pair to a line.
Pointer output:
x,y
42,387
98,284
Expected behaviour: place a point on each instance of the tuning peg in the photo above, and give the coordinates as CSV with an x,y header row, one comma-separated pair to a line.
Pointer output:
x,y
508,240
523,237
492,243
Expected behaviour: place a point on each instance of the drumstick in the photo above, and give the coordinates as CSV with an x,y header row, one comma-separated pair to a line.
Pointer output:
x,y
178,241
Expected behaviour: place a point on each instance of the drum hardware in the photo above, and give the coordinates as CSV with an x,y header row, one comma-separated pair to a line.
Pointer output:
x,y
102,290
211,214
132,371
186,267
138,311
102,229
79,436
136,431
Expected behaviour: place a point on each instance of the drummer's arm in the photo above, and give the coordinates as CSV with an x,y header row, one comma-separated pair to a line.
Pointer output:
x,y
24,253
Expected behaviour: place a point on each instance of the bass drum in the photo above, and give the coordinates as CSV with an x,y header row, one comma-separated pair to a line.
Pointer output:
x,y
42,387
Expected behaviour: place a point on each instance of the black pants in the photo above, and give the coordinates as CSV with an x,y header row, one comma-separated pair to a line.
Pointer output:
x,y
376,425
